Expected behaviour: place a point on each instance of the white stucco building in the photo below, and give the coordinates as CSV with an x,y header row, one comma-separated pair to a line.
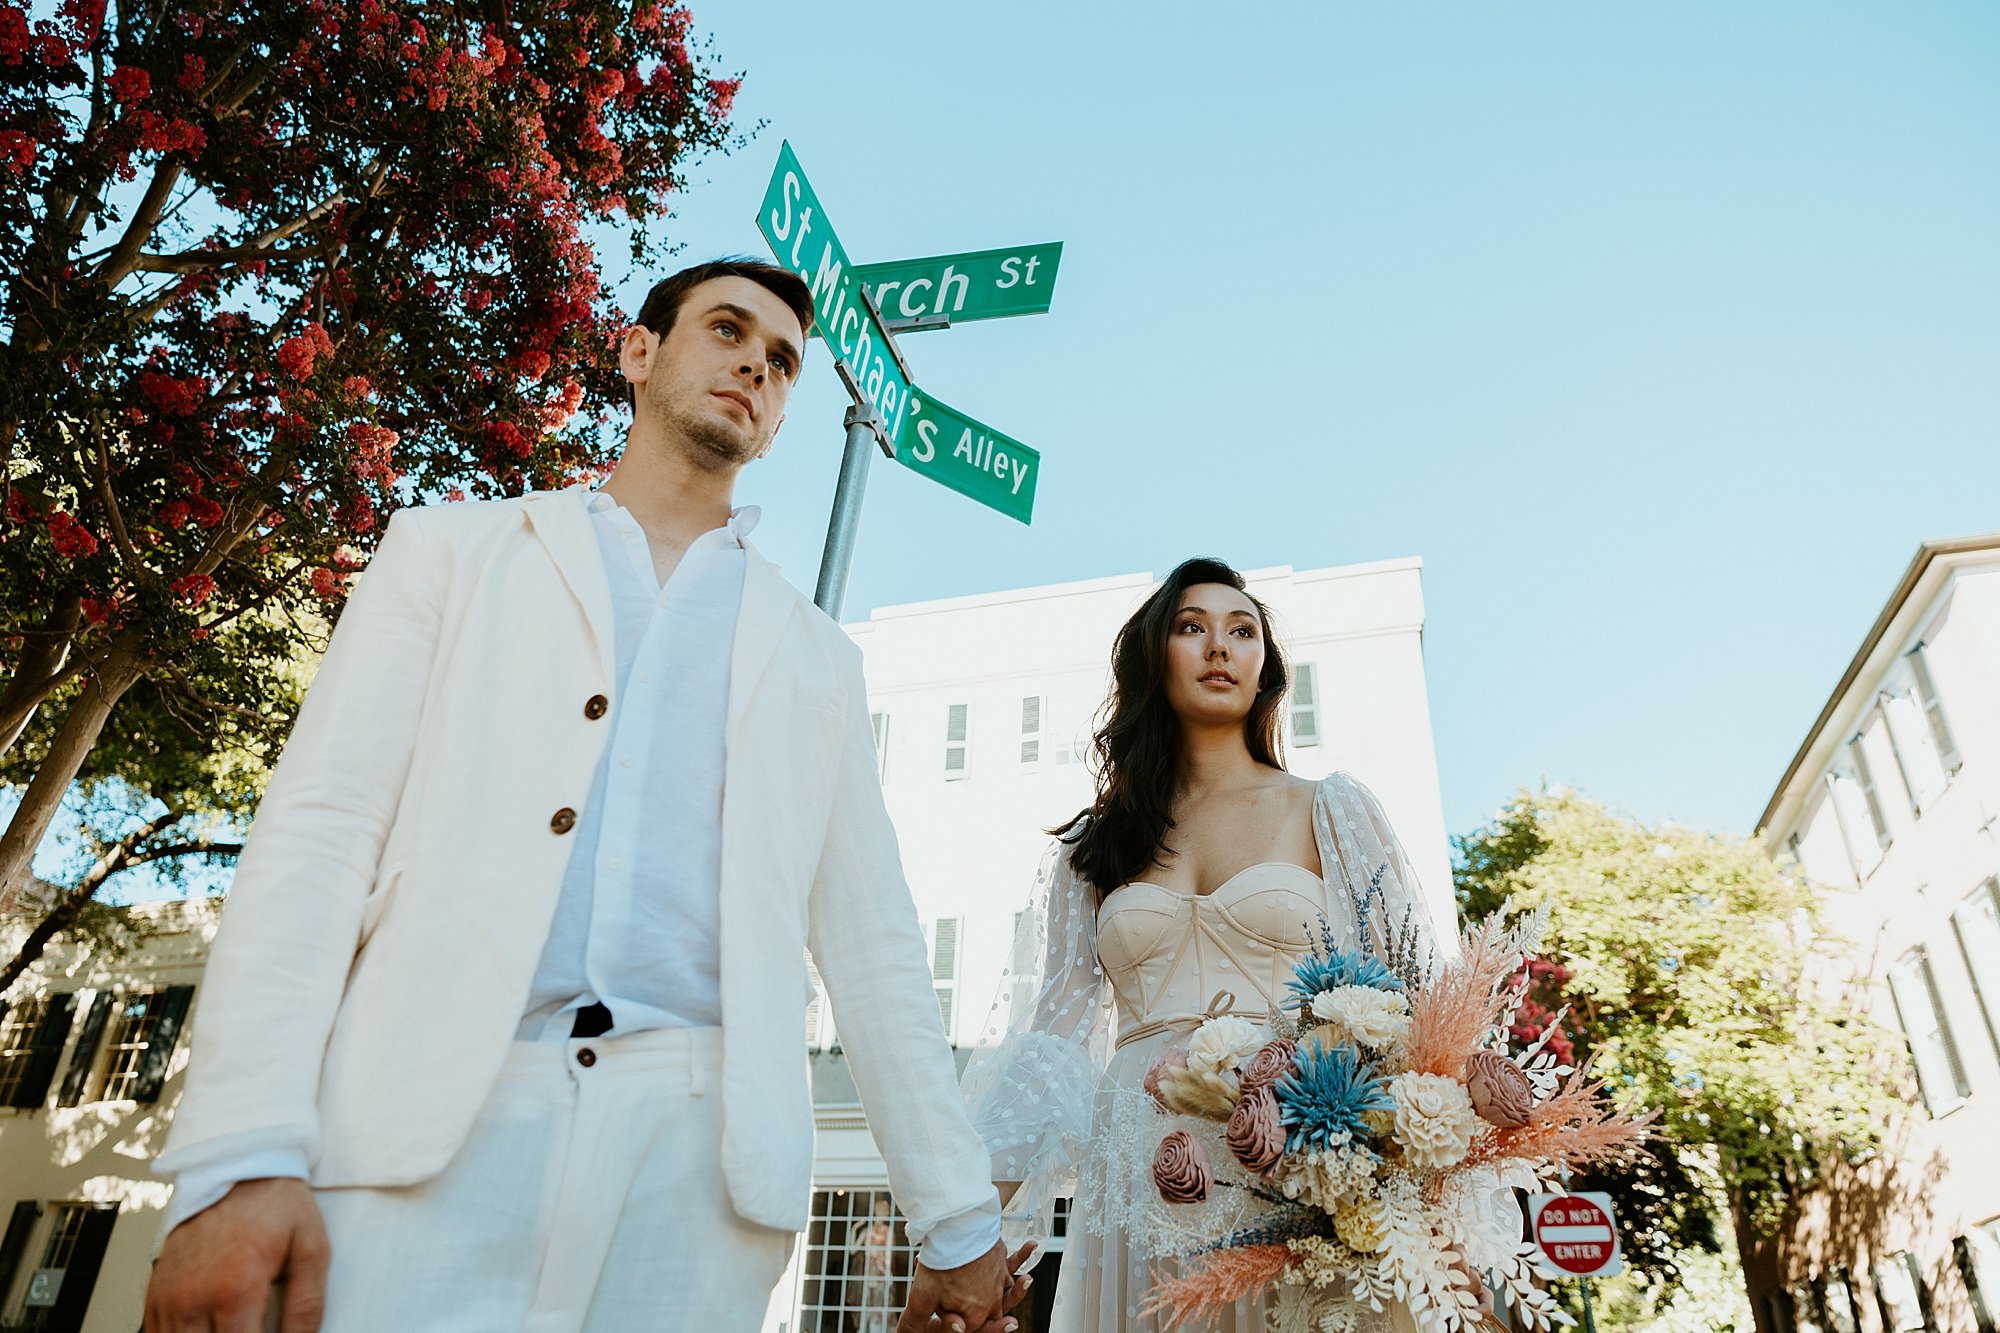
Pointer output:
x,y
1892,808
983,709
91,1055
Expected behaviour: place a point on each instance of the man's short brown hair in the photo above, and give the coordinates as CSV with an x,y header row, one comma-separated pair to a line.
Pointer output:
x,y
663,303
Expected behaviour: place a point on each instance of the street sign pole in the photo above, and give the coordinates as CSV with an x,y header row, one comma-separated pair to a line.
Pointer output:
x,y
864,430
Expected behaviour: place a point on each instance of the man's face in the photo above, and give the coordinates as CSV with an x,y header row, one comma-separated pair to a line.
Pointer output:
x,y
718,382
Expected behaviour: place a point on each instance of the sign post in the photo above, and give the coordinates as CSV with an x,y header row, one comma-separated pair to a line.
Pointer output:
x,y
1576,1236
887,410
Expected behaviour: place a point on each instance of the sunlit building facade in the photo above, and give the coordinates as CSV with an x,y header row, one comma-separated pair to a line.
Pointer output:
x,y
1891,809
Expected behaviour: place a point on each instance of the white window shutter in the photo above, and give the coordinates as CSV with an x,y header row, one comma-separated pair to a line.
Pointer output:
x,y
1947,748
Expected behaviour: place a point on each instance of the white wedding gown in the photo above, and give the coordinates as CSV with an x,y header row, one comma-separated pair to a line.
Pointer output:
x,y
1059,1098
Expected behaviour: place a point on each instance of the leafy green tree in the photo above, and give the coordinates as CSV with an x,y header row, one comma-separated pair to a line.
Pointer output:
x,y
1682,962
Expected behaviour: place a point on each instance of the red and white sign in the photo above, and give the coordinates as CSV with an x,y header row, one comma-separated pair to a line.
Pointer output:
x,y
1575,1235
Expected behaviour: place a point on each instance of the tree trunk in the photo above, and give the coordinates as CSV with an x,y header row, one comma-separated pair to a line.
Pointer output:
x,y
117,673
42,660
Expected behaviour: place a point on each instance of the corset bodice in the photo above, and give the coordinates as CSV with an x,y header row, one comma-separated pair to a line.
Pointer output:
x,y
1169,953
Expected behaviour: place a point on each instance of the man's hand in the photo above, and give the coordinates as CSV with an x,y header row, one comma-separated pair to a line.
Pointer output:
x,y
974,1298
214,1274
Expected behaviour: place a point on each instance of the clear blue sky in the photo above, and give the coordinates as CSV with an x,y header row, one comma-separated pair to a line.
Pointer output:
x,y
1663,333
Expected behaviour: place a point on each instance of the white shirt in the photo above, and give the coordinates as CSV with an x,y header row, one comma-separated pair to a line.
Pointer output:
x,y
637,924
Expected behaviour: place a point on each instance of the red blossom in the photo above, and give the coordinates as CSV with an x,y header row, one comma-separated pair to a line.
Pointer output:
x,y
70,537
722,95
129,84
372,447
303,349
17,152
194,589
174,397
95,611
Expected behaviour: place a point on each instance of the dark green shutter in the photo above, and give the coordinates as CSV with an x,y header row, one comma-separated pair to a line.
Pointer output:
x,y
80,1278
172,1012
76,1080
16,1244
47,1050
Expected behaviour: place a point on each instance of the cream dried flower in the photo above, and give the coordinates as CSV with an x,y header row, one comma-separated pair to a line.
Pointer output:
x,y
1374,1018
1362,1224
1435,1121
1225,1043
1326,1178
1195,1089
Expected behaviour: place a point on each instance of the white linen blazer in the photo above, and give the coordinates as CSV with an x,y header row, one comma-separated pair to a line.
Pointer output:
x,y
376,951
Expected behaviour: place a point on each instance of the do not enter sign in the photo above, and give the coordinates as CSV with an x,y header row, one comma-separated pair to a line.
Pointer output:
x,y
1575,1235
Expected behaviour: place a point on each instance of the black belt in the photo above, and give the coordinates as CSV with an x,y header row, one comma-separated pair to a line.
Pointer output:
x,y
593,1020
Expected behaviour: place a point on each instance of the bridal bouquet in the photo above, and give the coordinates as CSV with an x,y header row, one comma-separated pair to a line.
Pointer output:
x,y
1376,1129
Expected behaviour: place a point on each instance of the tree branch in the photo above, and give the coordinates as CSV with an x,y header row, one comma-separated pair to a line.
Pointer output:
x,y
114,514
144,219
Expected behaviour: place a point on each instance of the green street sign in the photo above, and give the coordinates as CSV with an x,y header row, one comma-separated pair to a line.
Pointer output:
x,y
981,284
944,444
972,458
802,237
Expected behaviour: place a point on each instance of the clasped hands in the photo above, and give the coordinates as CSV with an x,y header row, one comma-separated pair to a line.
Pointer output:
x,y
973,1298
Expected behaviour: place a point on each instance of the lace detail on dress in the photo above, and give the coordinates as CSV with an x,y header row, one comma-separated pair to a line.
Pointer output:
x,y
1032,1082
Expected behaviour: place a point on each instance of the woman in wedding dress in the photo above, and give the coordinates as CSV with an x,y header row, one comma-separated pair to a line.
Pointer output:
x,y
1189,888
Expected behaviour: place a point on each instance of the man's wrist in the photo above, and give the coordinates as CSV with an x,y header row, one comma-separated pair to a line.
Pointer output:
x,y
963,1238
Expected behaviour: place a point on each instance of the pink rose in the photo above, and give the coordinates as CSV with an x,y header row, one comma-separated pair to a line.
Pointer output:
x,y
1170,1061
1254,1134
1500,1091
1269,1065
1180,1169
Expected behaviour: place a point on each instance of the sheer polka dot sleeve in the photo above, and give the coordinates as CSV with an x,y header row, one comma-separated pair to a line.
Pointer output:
x,y
1031,1083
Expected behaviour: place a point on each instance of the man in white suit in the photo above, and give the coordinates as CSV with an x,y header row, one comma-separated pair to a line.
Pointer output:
x,y
501,1026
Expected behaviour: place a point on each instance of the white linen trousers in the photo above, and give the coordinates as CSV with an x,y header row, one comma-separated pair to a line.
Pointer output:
x,y
588,1199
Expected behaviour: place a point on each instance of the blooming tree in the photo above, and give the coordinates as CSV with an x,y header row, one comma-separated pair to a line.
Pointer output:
x,y
1682,962
267,271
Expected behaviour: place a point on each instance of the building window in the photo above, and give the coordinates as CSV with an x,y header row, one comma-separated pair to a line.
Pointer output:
x,y
857,1263
1920,672
17,1045
57,1292
1978,1255
1305,704
944,942
1864,777
879,723
123,1046
1034,720
956,727
1977,922
1836,1295
1900,1291
1940,1074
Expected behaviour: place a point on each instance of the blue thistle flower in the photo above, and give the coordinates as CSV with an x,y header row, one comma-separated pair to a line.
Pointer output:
x,y
1327,1091
1330,967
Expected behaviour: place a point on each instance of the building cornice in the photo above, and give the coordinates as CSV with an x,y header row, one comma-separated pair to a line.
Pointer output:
x,y
1941,556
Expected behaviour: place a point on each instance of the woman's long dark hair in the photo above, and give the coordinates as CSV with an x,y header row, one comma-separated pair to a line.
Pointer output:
x,y
1138,761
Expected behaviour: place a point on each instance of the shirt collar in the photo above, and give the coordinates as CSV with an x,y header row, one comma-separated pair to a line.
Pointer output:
x,y
743,519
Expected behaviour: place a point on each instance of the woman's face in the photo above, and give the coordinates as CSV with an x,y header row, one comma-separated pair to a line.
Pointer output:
x,y
1215,655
